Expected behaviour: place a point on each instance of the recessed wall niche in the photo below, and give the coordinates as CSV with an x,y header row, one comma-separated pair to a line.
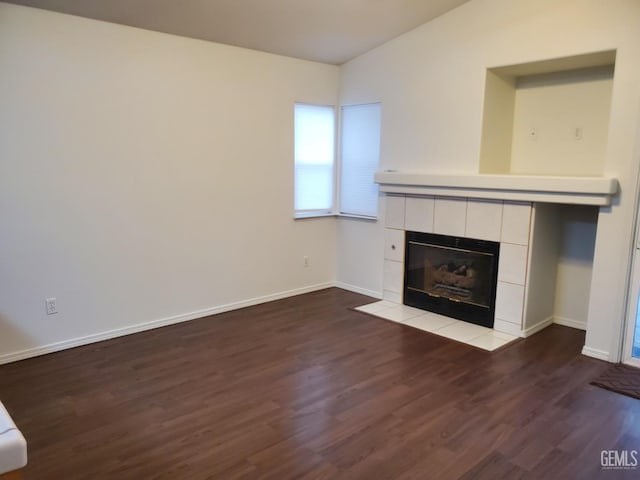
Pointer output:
x,y
549,117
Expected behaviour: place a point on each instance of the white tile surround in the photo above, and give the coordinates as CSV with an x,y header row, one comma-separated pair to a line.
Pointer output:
x,y
507,222
464,332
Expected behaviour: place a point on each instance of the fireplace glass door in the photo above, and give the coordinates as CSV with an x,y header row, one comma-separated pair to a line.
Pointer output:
x,y
452,276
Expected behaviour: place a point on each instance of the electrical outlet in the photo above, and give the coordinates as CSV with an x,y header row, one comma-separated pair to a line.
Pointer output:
x,y
577,133
306,261
51,306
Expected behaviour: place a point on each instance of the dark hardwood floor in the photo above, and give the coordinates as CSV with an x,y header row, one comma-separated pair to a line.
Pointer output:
x,y
307,388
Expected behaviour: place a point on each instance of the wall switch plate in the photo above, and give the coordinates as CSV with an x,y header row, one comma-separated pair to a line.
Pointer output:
x,y
51,306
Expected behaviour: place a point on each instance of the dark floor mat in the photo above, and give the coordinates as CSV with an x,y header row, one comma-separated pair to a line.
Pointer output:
x,y
620,379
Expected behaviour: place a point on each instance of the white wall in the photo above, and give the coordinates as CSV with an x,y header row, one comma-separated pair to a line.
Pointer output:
x,y
360,253
578,227
555,106
431,85
145,176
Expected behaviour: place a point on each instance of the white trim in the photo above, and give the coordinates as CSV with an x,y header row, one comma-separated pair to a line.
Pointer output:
x,y
531,188
537,327
141,327
360,290
507,327
595,353
358,217
632,361
570,322
529,183
308,214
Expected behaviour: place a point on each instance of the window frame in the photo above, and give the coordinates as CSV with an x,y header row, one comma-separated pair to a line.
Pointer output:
x,y
338,208
320,212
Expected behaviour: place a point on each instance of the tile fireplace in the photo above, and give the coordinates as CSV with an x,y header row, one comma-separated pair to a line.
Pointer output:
x,y
524,238
527,215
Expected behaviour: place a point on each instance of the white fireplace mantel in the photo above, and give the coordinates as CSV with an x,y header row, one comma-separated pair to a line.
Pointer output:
x,y
546,189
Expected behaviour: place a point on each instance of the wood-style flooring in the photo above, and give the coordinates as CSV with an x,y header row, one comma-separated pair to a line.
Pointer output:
x,y
307,388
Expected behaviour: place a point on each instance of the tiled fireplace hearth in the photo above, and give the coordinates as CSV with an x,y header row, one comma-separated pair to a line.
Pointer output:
x,y
521,308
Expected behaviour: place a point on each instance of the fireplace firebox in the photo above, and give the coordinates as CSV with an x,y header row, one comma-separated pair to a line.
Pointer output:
x,y
452,276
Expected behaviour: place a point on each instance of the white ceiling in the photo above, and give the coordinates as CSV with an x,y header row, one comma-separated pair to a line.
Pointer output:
x,y
330,31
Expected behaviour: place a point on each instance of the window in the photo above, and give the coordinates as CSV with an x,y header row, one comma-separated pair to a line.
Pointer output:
x,y
360,155
314,152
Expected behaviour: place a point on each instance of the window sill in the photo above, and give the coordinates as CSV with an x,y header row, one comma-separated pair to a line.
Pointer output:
x,y
303,216
357,217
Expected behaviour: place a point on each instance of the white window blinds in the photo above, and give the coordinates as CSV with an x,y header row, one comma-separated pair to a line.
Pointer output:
x,y
360,156
314,159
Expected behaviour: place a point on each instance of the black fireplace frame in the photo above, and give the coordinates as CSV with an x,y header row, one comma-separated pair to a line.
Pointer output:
x,y
477,314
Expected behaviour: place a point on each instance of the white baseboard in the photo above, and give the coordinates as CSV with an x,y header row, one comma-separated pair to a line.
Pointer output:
x,y
632,362
507,327
393,297
537,327
595,353
362,291
141,327
570,322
